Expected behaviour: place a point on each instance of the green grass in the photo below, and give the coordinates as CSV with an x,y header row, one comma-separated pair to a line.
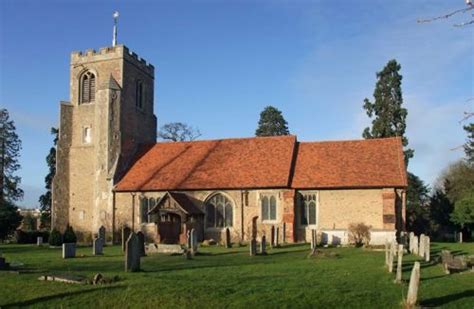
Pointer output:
x,y
220,277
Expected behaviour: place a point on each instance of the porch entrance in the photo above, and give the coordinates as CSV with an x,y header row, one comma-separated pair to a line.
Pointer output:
x,y
169,228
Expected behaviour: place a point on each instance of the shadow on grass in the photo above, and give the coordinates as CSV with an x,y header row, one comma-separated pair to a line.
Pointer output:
x,y
443,300
37,300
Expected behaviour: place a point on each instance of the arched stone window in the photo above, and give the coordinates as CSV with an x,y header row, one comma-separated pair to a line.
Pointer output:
x,y
87,87
308,209
269,208
219,212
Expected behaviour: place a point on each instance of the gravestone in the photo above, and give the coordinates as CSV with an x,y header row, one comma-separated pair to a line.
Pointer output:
x,y
101,234
39,241
277,237
272,236
398,278
313,240
69,250
125,235
415,245
97,246
390,257
427,249
460,237
411,240
263,246
421,246
253,247
284,233
141,240
413,286
3,263
194,243
228,244
132,253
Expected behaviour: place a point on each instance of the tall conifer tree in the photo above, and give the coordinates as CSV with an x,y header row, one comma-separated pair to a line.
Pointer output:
x,y
272,123
388,114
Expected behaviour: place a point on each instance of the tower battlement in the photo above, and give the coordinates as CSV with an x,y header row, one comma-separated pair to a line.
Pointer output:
x,y
106,53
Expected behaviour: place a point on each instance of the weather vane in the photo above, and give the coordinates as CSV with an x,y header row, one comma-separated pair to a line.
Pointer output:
x,y
114,40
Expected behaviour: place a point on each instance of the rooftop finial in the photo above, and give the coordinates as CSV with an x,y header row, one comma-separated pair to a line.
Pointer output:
x,y
114,40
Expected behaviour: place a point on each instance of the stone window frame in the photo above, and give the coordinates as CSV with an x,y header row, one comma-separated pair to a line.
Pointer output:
x,y
232,205
301,195
268,195
84,135
149,205
92,94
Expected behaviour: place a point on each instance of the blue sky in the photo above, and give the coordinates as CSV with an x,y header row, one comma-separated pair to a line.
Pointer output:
x,y
218,63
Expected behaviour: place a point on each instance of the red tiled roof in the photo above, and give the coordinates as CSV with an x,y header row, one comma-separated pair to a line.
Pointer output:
x,y
266,162
262,162
350,164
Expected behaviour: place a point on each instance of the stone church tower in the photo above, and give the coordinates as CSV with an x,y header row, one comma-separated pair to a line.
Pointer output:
x,y
109,116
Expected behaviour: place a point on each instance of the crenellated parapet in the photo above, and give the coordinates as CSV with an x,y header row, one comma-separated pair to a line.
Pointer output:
x,y
106,53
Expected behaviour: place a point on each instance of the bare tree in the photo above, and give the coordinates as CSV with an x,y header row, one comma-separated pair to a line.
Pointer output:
x,y
470,6
178,132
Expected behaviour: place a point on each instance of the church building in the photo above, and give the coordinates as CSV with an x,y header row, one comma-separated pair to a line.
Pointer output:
x,y
111,172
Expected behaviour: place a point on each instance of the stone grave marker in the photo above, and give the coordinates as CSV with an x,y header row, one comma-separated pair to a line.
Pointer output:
x,y
69,250
132,253
141,243
411,240
263,245
313,240
421,246
413,286
39,241
125,235
427,249
194,243
253,247
97,246
415,245
101,234
228,244
460,237
398,278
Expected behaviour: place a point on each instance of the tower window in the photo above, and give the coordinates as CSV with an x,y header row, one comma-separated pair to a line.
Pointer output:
x,y
87,88
87,135
139,94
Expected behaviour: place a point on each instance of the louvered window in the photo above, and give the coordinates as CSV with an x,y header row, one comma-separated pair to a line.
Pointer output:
x,y
139,94
87,87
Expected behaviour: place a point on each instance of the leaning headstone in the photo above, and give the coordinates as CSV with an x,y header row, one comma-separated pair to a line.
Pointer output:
x,y
263,246
415,245
141,240
39,241
427,249
97,246
421,246
69,250
132,253
277,237
194,243
398,278
413,286
125,235
101,233
253,247
228,244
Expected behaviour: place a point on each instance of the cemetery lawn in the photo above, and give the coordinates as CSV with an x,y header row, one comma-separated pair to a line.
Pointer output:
x,y
219,277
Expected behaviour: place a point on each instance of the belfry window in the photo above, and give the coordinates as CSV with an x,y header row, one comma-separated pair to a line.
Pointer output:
x,y
87,87
139,94
219,211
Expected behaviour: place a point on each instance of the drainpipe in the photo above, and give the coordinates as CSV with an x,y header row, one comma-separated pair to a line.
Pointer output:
x,y
113,217
242,215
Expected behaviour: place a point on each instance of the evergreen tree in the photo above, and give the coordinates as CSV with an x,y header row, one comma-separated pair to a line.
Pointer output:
x,y
10,146
417,210
271,123
45,200
389,115
10,219
469,146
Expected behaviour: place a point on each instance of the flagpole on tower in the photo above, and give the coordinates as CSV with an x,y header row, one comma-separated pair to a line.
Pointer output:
x,y
114,40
